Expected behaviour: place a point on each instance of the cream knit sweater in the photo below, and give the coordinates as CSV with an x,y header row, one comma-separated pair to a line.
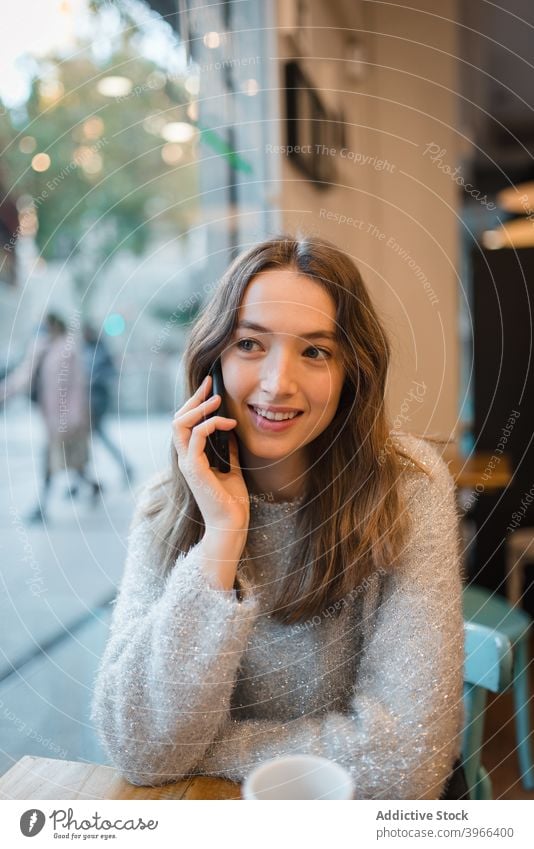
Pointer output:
x,y
194,681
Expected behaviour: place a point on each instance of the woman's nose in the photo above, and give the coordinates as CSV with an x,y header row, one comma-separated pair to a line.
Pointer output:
x,y
277,377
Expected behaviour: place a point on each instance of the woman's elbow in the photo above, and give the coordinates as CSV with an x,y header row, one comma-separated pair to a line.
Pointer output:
x,y
145,751
150,769
149,762
150,779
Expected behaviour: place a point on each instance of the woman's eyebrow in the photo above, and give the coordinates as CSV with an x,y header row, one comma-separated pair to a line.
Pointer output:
x,y
314,334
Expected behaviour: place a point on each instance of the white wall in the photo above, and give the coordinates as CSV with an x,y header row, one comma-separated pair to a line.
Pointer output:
x,y
407,101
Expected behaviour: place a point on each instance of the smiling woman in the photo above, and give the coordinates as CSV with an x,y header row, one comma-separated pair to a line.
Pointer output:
x,y
334,451
279,373
325,619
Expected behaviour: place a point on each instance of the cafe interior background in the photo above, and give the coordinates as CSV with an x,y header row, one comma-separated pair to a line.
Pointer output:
x,y
143,145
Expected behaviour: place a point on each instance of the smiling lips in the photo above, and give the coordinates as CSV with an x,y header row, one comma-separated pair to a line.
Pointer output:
x,y
275,413
273,421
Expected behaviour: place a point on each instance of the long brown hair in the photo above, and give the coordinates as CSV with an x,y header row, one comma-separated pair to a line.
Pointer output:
x,y
352,521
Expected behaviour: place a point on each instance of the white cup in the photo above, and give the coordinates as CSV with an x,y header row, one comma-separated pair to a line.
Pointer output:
x,y
299,777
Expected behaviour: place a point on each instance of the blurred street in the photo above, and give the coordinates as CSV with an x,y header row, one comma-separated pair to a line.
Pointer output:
x,y
57,581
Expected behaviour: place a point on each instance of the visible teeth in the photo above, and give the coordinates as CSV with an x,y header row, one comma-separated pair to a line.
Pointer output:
x,y
275,417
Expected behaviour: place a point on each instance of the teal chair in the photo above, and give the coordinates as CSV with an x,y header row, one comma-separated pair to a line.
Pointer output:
x,y
487,666
493,611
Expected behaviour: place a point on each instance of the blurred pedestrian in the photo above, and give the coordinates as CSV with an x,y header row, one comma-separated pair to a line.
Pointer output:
x,y
101,374
52,372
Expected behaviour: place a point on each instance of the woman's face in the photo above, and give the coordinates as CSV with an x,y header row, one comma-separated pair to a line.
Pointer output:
x,y
280,365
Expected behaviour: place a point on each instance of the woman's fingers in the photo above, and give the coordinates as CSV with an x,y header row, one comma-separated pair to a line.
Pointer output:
x,y
219,497
197,396
183,422
191,416
195,421
199,436
201,431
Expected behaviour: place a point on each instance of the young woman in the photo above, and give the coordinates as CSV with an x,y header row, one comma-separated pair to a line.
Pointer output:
x,y
310,599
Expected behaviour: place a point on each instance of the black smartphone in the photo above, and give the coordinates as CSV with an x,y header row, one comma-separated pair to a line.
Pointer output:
x,y
217,445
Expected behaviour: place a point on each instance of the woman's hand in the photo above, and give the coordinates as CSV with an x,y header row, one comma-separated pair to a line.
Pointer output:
x,y
222,497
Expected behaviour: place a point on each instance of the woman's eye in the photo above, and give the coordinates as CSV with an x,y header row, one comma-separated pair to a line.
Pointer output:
x,y
241,341
322,352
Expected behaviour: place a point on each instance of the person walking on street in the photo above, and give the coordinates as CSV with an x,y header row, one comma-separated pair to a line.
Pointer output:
x,y
100,374
52,371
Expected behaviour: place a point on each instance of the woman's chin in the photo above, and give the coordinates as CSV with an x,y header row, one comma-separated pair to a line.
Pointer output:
x,y
266,450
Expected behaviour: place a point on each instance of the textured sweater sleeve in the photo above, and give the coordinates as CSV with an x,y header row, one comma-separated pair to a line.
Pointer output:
x,y
402,733
164,683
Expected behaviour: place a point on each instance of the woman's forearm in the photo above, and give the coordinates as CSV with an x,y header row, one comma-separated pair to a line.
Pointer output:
x,y
167,674
220,552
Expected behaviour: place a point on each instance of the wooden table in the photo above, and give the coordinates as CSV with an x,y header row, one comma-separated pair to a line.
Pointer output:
x,y
49,778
